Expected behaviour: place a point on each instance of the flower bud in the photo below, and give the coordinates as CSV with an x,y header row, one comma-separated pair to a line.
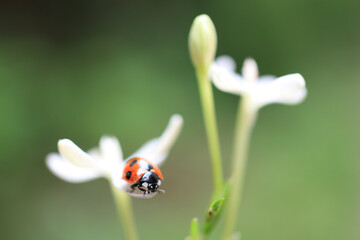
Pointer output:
x,y
202,42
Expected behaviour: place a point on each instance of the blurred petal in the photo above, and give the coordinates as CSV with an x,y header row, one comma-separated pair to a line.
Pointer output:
x,y
111,151
250,71
139,194
120,183
225,80
74,154
226,62
146,149
289,89
156,150
261,91
68,171
266,78
95,154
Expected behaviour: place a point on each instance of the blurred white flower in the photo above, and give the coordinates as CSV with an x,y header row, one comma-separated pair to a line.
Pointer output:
x,y
260,91
76,166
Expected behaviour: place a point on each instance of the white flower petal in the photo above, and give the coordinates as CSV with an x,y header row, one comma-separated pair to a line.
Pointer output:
x,y
145,151
266,79
156,150
68,171
289,89
140,194
120,183
226,62
74,154
111,151
95,154
225,80
250,71
261,91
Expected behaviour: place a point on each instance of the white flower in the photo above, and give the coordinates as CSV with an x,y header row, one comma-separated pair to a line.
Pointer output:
x,y
261,91
74,165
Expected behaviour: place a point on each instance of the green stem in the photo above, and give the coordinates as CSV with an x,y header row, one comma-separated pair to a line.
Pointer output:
x,y
245,121
207,102
124,208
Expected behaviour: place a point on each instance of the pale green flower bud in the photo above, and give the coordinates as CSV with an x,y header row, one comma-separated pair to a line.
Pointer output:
x,y
202,42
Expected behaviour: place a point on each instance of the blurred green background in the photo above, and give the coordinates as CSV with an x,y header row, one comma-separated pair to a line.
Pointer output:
x,y
81,69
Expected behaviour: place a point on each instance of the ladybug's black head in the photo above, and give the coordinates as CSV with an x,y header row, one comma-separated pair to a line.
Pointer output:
x,y
149,182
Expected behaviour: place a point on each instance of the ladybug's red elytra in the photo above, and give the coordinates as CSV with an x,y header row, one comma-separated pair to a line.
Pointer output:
x,y
142,174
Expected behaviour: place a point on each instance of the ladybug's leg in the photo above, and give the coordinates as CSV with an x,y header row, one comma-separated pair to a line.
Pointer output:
x,y
133,187
139,187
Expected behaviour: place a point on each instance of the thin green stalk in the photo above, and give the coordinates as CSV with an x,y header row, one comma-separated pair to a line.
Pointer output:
x,y
207,102
246,118
124,208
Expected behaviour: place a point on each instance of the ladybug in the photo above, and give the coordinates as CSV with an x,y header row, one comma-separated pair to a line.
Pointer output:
x,y
143,176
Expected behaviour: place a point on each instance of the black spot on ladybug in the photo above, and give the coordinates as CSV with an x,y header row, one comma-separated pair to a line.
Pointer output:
x,y
133,163
150,167
128,175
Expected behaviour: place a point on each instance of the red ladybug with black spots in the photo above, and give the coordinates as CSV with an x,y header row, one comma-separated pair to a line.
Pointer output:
x,y
143,176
